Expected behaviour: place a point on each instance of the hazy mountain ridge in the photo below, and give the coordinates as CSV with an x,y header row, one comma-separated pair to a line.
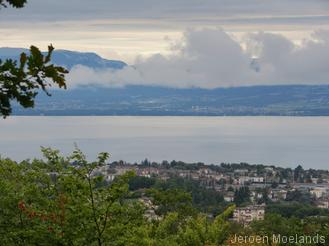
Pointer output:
x,y
294,100
68,58
290,100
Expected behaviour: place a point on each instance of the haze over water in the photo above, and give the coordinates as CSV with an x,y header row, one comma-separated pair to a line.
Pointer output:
x,y
282,141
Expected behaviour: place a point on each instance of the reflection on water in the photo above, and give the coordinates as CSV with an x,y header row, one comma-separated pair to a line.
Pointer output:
x,y
284,141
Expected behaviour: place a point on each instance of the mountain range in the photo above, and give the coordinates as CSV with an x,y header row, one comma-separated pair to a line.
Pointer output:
x,y
288,100
68,58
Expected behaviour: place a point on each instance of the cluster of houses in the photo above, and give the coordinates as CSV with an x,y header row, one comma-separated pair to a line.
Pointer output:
x,y
227,183
320,192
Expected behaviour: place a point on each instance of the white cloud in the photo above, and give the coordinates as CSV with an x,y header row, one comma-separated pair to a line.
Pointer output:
x,y
84,76
210,58
284,63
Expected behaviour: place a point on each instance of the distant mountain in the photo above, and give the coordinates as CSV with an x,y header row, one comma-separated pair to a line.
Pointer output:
x,y
290,100
68,59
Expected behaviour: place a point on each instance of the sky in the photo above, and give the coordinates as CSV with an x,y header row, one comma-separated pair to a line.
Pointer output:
x,y
182,43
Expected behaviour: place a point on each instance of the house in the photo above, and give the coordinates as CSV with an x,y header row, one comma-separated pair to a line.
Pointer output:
x,y
248,214
110,177
150,213
314,180
256,195
241,171
243,180
122,169
278,194
258,179
319,192
229,196
147,172
323,203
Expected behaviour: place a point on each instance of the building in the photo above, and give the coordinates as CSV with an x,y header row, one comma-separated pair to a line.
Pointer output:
x,y
229,196
122,169
150,213
242,180
256,195
241,172
248,214
258,179
278,194
319,192
323,203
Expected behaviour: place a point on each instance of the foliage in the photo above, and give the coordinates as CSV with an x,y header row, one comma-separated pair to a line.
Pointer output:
x,y
21,80
13,3
205,200
242,195
140,182
64,201
193,231
295,209
65,204
172,200
275,224
300,196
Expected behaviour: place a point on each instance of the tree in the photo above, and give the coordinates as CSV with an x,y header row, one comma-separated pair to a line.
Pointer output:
x,y
140,182
173,200
63,201
300,196
242,195
22,80
296,209
13,3
205,200
299,174
54,202
192,231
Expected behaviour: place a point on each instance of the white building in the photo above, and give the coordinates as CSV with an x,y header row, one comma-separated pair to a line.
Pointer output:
x,y
258,179
319,192
323,203
248,214
278,194
229,197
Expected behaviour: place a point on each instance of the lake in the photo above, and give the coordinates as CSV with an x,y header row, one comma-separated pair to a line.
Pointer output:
x,y
282,141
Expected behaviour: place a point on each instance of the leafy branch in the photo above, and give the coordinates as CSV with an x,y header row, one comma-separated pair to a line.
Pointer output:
x,y
22,81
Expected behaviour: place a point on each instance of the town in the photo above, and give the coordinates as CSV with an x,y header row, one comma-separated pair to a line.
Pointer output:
x,y
249,187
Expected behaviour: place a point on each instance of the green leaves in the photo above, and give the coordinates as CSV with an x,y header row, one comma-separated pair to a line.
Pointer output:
x,y
22,82
63,201
74,208
13,3
192,231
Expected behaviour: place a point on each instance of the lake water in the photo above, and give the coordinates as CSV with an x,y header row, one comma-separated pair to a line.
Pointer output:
x,y
283,141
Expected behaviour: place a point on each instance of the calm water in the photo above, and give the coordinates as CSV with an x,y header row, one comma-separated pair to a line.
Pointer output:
x,y
284,141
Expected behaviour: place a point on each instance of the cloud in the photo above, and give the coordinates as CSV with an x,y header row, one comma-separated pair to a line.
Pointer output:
x,y
157,9
129,27
210,58
84,76
283,63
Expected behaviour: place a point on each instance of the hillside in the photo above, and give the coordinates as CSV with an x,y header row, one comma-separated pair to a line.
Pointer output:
x,y
291,100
